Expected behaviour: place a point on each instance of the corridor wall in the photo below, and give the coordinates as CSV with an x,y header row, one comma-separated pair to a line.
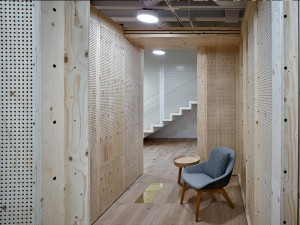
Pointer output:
x,y
116,113
217,70
269,172
44,141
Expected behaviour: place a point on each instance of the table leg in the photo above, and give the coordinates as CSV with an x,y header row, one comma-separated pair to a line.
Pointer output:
x,y
179,175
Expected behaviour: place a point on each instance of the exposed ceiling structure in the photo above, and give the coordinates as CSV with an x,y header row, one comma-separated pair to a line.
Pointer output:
x,y
182,13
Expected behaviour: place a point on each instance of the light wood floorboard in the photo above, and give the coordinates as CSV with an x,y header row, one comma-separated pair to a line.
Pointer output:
x,y
165,209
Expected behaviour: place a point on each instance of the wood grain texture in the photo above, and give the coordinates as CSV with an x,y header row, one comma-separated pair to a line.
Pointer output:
x,y
290,144
245,157
202,73
116,100
221,98
133,113
250,119
239,110
250,7
150,41
277,106
76,114
52,114
217,68
256,147
165,209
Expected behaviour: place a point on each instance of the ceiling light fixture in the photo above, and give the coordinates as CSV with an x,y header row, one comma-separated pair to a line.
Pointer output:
x,y
147,16
158,52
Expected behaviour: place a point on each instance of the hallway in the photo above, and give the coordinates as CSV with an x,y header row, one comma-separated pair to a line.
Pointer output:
x,y
165,209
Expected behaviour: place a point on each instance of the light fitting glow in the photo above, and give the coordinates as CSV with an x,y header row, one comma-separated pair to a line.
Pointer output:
x,y
180,67
158,52
147,16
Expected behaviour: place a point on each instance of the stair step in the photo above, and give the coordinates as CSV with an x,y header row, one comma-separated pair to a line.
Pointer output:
x,y
155,127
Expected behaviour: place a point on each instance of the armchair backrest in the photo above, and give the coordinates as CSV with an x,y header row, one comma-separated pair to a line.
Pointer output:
x,y
231,160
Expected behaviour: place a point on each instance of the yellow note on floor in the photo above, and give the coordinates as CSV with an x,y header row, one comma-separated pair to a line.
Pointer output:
x,y
150,193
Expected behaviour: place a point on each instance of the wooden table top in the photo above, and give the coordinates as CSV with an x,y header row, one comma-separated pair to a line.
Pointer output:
x,y
183,161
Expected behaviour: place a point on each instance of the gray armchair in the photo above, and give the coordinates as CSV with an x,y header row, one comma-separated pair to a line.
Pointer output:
x,y
210,176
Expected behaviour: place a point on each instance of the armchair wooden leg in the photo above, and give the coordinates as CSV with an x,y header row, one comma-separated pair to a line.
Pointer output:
x,y
184,187
225,195
197,205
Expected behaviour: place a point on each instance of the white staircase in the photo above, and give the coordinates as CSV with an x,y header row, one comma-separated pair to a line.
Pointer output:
x,y
155,127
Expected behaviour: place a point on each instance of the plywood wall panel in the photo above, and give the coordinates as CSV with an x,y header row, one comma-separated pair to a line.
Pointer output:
x,y
270,98
290,135
93,109
217,67
76,114
243,172
251,118
221,101
264,110
202,74
117,113
19,117
133,113
52,113
277,112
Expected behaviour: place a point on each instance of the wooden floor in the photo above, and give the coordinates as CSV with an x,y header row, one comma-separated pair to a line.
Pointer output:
x,y
166,210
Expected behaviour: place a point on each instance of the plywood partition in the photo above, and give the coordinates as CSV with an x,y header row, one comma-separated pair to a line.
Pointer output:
x,y
132,113
263,156
270,95
217,68
76,59
202,73
290,110
244,162
116,125
19,117
52,113
64,112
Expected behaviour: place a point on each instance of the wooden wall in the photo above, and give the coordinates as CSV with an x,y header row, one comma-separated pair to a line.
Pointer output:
x,y
290,146
52,113
269,174
217,75
64,112
116,113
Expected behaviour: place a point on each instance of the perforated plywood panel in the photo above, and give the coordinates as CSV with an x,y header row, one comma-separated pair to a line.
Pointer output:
x,y
93,110
264,111
180,79
133,113
221,97
18,79
250,168
116,113
245,109
152,86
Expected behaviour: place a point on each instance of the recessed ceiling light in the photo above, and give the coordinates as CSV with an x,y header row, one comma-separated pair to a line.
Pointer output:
x,y
147,16
158,52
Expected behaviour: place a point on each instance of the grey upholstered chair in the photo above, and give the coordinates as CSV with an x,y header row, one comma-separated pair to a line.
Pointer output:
x,y
210,176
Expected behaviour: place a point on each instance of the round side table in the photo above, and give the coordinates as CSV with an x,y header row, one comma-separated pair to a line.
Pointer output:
x,y
184,161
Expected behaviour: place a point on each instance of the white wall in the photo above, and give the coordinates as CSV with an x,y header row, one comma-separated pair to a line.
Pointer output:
x,y
184,126
169,83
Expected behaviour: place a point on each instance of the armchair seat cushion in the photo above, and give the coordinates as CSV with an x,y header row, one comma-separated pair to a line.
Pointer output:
x,y
217,163
196,180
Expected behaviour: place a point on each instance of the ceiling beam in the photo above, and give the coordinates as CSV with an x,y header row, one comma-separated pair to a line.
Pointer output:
x,y
151,41
184,7
172,19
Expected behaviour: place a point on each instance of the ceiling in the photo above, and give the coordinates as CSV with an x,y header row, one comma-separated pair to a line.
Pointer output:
x,y
182,13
